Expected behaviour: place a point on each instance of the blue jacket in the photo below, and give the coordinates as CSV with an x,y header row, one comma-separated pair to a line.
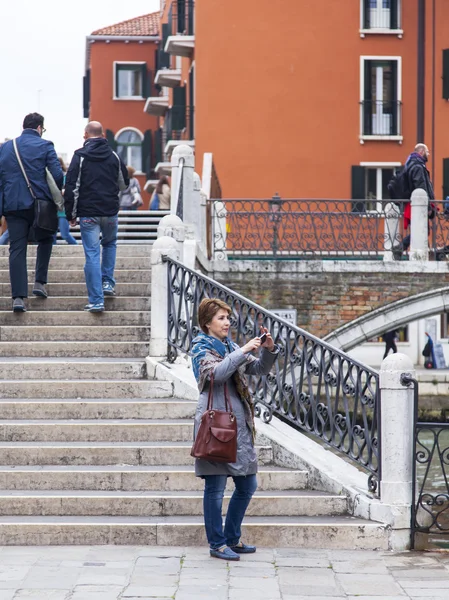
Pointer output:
x,y
36,154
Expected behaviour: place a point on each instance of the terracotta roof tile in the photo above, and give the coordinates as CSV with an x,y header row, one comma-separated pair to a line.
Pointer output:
x,y
144,25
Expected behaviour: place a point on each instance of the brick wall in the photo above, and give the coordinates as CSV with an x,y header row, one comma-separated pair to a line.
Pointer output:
x,y
327,295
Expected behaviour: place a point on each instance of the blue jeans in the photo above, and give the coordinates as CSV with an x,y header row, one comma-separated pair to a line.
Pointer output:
x,y
99,268
4,238
214,488
64,228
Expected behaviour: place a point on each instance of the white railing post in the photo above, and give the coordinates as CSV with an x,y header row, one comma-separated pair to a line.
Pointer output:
x,y
184,154
391,229
163,246
396,430
419,232
172,226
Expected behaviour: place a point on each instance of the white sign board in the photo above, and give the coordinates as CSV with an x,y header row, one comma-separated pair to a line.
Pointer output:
x,y
288,314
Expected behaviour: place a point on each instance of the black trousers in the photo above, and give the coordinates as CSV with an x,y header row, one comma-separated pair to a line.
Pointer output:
x,y
390,346
20,227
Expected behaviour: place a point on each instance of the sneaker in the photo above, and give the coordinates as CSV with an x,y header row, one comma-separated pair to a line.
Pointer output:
x,y
18,305
108,288
225,553
40,290
93,308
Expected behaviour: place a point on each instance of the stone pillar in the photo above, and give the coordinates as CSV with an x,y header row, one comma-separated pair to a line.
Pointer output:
x,y
182,153
419,243
172,226
163,246
391,230
397,438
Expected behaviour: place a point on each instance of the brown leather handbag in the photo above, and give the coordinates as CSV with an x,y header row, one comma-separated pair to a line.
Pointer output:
x,y
216,439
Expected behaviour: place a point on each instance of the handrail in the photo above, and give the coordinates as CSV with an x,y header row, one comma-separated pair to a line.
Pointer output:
x,y
315,388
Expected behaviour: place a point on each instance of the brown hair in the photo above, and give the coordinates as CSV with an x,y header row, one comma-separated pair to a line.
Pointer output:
x,y
162,181
131,171
207,310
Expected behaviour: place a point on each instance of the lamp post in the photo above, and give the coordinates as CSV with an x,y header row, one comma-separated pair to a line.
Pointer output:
x,y
275,210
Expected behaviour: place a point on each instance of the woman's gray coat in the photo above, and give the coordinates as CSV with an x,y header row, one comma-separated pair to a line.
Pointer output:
x,y
246,463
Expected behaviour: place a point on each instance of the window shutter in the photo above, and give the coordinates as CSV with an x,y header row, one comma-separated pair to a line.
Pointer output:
x,y
164,57
394,22
181,16
111,139
147,146
446,74
86,94
146,81
367,99
192,104
179,108
358,188
366,14
445,177
157,146
394,99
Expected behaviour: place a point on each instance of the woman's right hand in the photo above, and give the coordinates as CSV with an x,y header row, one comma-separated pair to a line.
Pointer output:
x,y
251,345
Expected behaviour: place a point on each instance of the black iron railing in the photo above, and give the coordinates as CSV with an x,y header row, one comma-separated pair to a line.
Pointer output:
x,y
313,387
381,118
306,228
181,17
430,477
439,229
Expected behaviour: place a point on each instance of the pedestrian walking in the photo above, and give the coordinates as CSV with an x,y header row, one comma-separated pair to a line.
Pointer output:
x,y
215,355
130,198
21,190
63,224
95,176
160,198
390,338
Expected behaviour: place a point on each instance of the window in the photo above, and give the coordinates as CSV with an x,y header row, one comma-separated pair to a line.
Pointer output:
x,y
380,15
369,185
129,148
131,80
380,97
403,336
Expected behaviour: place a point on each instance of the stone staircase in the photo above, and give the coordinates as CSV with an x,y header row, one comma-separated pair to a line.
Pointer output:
x,y
93,452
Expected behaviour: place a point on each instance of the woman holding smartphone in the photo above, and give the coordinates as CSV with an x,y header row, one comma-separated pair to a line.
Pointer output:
x,y
213,353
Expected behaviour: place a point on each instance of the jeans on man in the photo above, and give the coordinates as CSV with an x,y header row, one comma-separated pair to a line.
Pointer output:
x,y
20,227
214,488
99,267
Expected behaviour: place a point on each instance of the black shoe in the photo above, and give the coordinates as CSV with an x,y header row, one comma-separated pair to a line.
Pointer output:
x,y
242,548
39,290
18,305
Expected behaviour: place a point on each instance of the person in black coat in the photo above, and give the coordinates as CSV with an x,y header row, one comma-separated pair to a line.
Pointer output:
x,y
390,342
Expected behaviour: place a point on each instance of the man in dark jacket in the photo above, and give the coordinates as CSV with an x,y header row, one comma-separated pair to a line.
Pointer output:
x,y
94,179
36,154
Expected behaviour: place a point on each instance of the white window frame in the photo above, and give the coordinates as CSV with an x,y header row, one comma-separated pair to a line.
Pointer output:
x,y
380,30
389,138
379,166
114,79
117,135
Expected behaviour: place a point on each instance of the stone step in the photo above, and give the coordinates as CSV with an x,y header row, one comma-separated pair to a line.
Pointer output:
x,y
74,349
77,276
93,408
64,263
336,532
122,303
85,388
166,504
75,333
64,250
79,289
104,453
75,318
133,478
98,430
56,368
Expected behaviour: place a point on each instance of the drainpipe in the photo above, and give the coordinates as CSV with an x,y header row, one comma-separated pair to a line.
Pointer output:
x,y
421,69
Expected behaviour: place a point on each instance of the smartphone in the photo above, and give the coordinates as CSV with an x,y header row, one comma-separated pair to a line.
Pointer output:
x,y
263,337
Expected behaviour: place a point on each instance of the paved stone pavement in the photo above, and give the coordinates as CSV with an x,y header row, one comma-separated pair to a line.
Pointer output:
x,y
137,572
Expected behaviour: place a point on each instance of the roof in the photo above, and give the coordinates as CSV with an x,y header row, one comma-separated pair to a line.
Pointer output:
x,y
139,26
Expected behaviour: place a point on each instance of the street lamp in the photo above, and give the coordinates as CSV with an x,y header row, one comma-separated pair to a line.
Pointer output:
x,y
275,215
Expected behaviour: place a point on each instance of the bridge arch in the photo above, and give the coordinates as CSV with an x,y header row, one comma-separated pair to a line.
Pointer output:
x,y
388,317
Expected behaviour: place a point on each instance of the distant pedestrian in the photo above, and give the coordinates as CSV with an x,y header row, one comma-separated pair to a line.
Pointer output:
x,y
95,176
63,224
131,199
390,338
18,204
160,198
214,354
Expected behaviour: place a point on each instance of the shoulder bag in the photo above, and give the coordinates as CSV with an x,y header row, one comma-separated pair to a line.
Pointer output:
x,y
216,439
45,211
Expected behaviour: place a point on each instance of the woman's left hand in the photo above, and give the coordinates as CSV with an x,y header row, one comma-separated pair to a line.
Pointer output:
x,y
268,343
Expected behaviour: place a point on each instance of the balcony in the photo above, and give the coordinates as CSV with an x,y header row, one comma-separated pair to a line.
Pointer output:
x,y
380,120
156,105
178,128
168,77
181,25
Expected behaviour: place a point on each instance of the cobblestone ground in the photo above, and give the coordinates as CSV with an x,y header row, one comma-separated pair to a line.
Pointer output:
x,y
134,573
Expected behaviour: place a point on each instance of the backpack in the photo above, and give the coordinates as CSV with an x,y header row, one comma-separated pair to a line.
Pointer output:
x,y
399,188
154,204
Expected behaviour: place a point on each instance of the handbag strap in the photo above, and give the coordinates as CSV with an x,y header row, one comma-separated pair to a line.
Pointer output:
x,y
210,399
16,150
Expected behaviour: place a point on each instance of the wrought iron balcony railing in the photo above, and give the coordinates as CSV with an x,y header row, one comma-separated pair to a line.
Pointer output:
x,y
380,118
181,17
